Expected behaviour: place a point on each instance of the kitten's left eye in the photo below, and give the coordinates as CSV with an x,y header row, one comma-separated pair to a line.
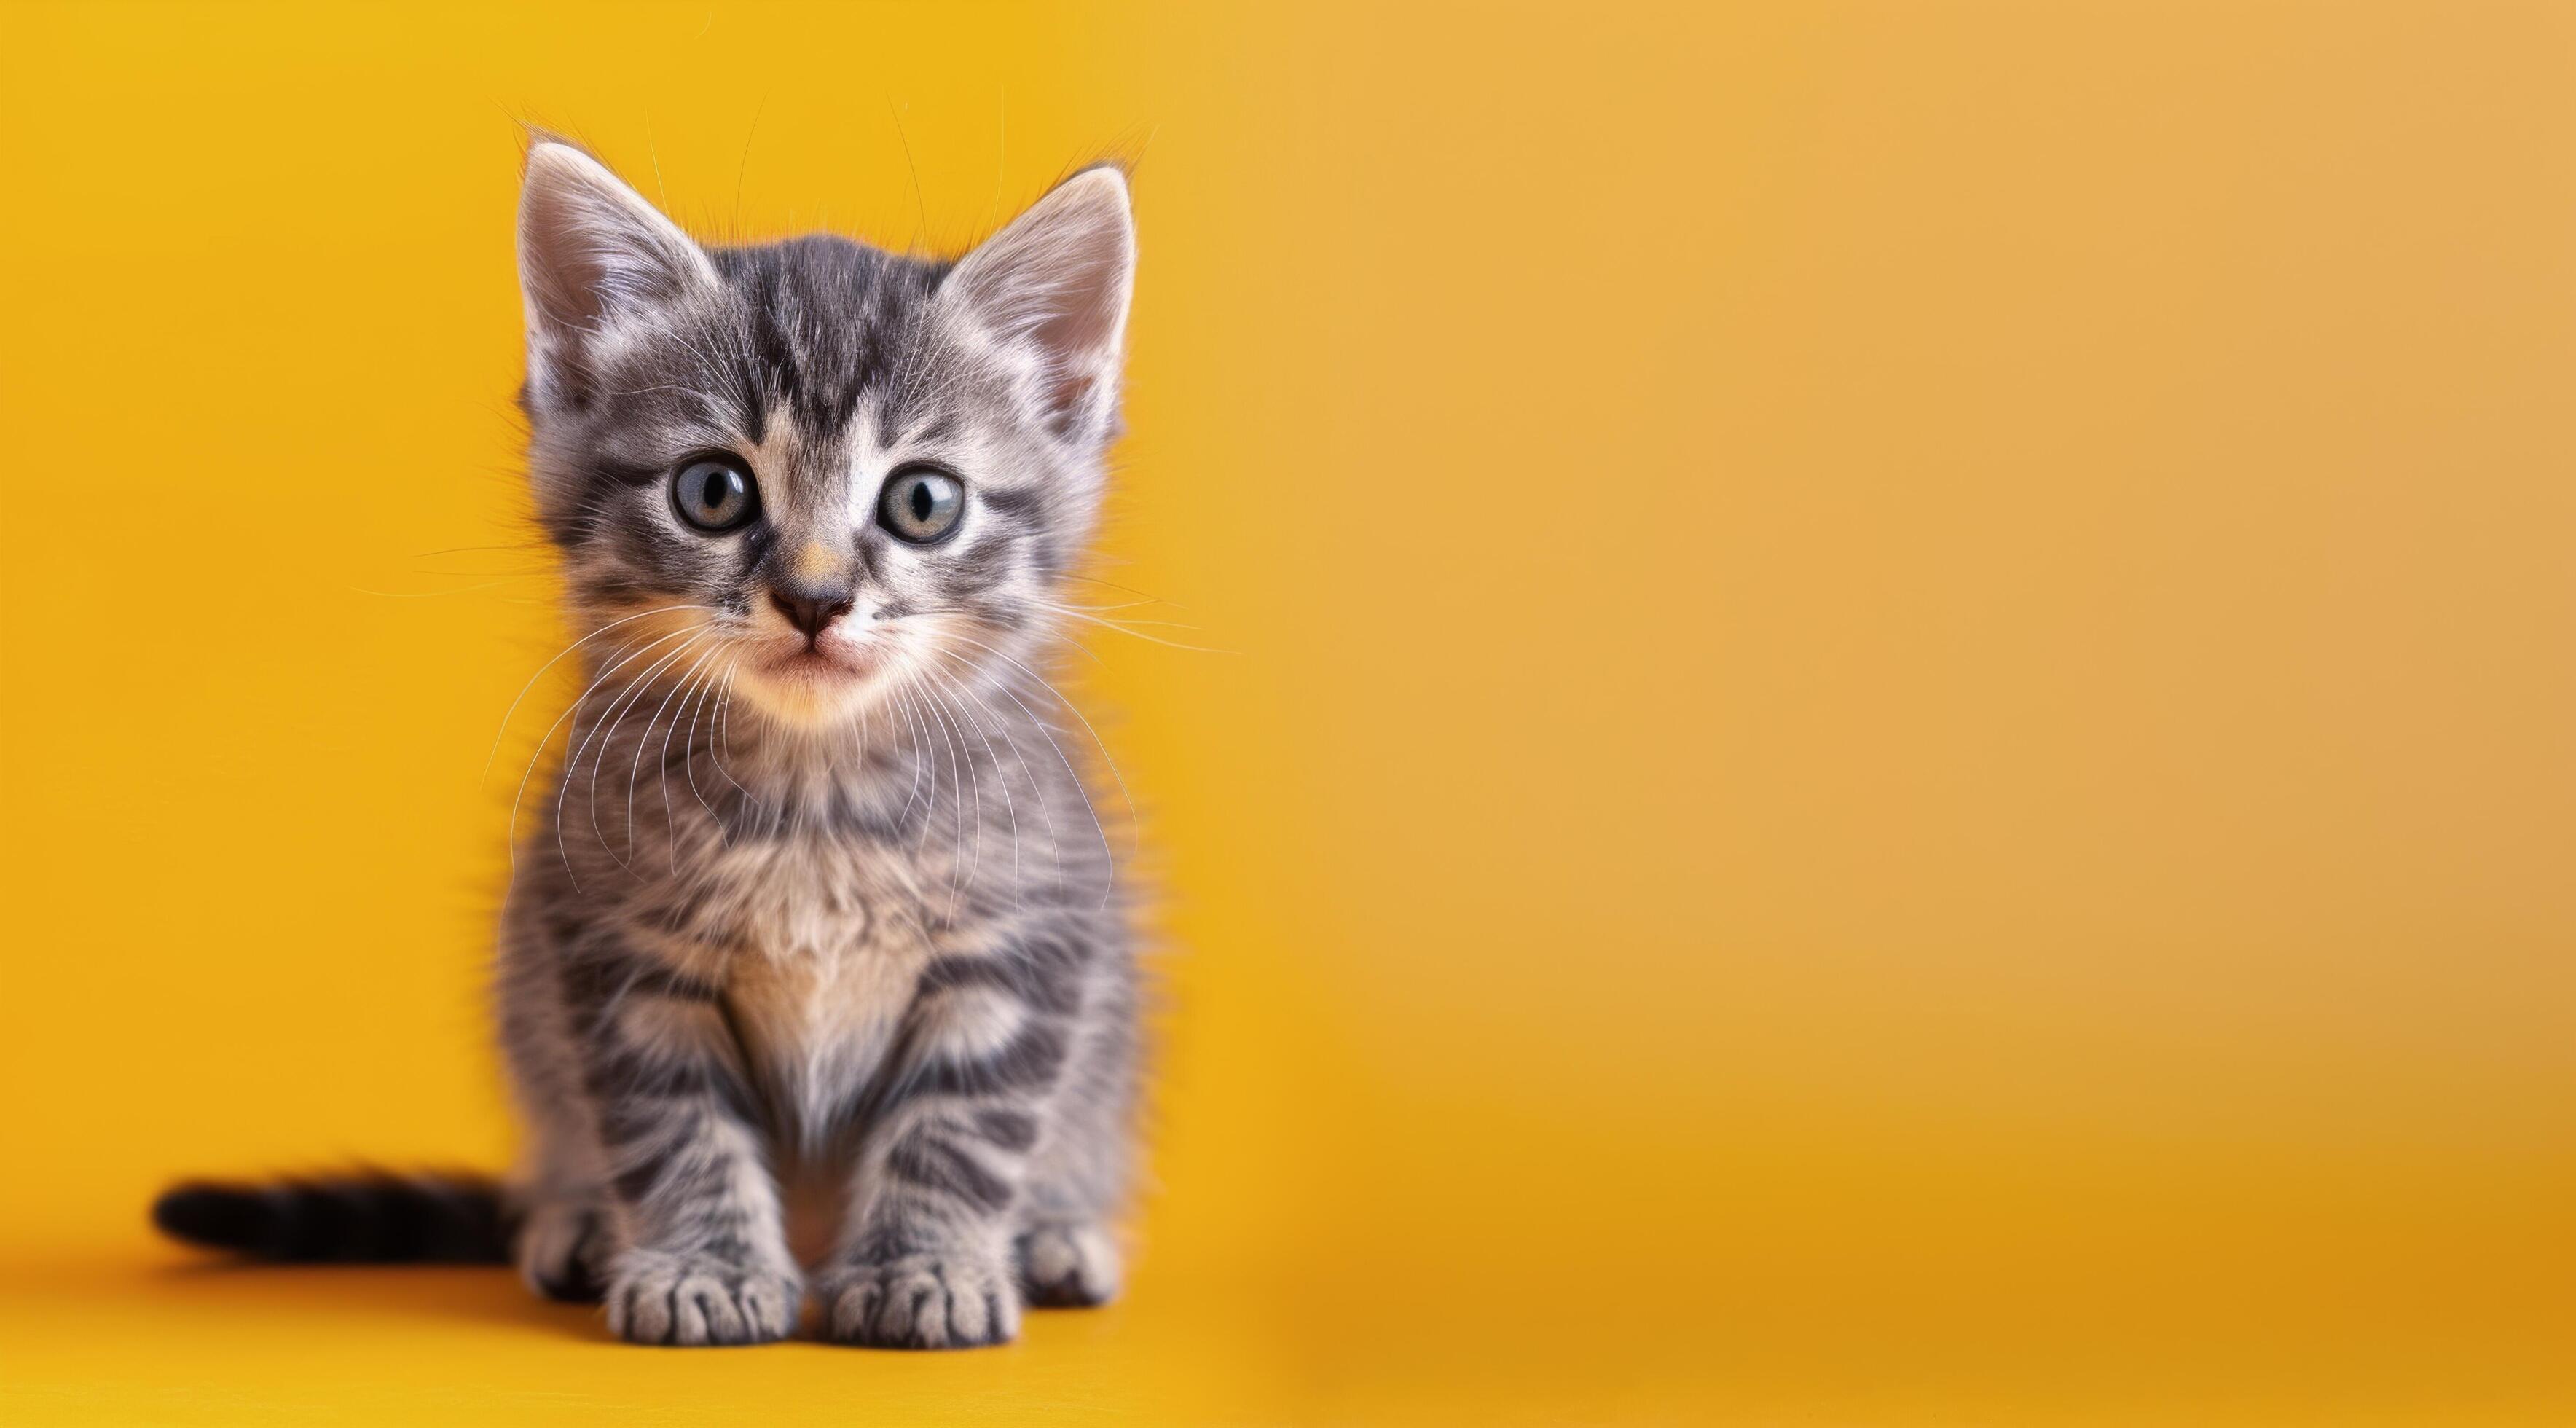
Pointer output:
x,y
921,504
715,494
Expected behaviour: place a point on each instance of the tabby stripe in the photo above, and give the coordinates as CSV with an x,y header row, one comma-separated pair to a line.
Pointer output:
x,y
933,1164
1031,1060
1010,1130
1040,986
591,982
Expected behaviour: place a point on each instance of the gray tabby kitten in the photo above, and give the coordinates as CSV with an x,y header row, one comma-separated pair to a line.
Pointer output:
x,y
815,973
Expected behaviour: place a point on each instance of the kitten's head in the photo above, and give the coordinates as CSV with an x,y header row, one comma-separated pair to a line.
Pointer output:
x,y
825,470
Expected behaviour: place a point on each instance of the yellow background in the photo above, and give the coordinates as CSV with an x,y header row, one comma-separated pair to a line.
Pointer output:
x,y
1894,746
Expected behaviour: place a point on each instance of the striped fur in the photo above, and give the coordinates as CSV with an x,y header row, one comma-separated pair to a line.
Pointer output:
x,y
815,973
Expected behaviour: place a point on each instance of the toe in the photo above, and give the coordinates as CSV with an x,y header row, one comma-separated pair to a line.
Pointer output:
x,y
923,1302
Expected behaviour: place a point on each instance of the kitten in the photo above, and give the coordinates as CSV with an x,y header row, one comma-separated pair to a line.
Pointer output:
x,y
815,973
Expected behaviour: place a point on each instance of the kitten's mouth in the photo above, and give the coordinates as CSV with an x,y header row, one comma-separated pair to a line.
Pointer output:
x,y
813,682
815,662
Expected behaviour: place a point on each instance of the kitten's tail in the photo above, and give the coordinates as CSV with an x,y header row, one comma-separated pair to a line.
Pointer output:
x,y
369,1217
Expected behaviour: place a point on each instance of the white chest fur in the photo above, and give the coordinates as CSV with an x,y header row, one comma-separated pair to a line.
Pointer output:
x,y
823,953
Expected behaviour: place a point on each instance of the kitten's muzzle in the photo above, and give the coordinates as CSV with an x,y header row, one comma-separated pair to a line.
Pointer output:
x,y
811,611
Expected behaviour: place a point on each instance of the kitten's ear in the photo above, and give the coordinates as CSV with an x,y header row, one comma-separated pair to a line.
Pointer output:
x,y
592,251
1056,282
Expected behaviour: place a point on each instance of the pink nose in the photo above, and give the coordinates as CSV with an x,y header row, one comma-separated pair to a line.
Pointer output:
x,y
810,612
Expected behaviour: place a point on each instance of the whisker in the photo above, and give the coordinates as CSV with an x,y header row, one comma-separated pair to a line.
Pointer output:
x,y
628,701
1071,613
970,816
572,768
1046,805
625,653
689,758
720,735
1010,806
922,753
688,762
912,728
504,730
528,548
1120,779
1108,857
434,594
1129,589
687,677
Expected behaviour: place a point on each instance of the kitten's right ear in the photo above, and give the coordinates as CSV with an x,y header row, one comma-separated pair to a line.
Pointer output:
x,y
592,253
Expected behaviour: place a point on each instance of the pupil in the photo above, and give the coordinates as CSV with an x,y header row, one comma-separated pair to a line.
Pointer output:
x,y
921,501
715,493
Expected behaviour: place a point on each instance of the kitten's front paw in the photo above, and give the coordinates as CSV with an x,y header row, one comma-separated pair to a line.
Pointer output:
x,y
946,1300
1068,1266
657,1297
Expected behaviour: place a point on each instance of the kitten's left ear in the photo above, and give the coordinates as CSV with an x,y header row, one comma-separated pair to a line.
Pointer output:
x,y
1056,283
592,253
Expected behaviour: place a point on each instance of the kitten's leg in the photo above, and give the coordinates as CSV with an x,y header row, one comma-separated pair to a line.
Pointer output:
x,y
1067,1263
690,1194
926,1258
564,1239
564,1248
1066,1253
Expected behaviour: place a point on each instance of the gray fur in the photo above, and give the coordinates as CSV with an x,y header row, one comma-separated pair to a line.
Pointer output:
x,y
862,948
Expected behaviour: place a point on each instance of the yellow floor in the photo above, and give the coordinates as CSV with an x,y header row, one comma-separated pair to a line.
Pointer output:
x,y
144,1336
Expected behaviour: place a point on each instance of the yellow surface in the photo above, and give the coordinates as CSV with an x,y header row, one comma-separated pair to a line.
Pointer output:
x,y
1897,746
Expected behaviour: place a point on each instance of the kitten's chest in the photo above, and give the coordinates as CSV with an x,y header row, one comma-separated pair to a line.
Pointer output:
x,y
823,953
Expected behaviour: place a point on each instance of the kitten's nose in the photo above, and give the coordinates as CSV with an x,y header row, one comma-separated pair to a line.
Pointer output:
x,y
810,611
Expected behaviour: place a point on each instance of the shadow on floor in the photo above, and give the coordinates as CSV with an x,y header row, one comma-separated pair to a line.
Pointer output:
x,y
489,1294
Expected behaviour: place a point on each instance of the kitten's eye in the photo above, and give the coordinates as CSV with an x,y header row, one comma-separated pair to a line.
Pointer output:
x,y
921,504
715,495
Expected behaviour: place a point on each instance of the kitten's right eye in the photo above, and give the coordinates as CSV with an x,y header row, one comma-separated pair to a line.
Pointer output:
x,y
715,495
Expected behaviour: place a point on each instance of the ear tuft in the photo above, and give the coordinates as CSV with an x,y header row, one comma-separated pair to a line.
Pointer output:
x,y
592,251
1058,279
